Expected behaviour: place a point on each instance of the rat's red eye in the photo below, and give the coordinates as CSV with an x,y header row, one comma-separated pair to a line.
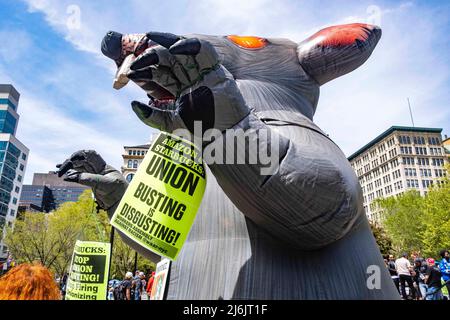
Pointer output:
x,y
248,42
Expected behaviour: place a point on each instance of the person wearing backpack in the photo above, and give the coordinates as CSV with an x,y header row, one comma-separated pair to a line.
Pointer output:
x,y
123,290
137,285
118,292
433,281
444,266
420,269
134,284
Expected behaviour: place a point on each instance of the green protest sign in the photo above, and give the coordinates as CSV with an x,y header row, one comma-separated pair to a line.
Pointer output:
x,y
160,204
88,276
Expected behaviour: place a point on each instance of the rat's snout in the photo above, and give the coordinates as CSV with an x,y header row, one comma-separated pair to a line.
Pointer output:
x,y
117,46
112,45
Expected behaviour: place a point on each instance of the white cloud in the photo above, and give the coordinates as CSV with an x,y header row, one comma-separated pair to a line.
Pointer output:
x,y
51,136
59,17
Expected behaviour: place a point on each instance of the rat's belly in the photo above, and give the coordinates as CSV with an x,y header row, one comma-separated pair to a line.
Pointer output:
x,y
227,256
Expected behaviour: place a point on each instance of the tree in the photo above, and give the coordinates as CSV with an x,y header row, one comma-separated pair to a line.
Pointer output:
x,y
31,241
402,217
123,260
384,242
436,217
76,221
419,224
50,238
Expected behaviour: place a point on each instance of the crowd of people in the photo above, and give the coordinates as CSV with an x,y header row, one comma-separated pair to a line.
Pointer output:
x,y
137,287
425,279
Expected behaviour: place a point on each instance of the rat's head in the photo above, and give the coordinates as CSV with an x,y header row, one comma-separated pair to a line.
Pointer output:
x,y
272,73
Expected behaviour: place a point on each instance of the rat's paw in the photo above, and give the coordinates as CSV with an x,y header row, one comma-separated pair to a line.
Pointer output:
x,y
175,63
189,69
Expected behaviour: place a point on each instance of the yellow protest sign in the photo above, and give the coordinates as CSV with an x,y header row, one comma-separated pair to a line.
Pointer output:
x,y
88,275
160,204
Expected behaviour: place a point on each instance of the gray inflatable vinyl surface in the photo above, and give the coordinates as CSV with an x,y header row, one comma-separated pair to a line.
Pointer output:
x,y
300,233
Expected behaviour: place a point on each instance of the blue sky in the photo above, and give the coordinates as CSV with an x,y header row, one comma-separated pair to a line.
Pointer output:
x,y
68,103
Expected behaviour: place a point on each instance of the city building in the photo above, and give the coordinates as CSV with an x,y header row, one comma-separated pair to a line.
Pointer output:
x,y
399,159
36,198
48,192
132,158
13,160
446,146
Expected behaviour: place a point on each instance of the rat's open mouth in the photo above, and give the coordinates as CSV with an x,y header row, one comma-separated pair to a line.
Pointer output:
x,y
164,103
123,49
159,96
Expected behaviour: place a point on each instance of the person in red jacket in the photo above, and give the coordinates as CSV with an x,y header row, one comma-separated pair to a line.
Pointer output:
x,y
150,283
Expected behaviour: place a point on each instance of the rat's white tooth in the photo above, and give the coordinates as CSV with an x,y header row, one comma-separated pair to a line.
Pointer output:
x,y
121,79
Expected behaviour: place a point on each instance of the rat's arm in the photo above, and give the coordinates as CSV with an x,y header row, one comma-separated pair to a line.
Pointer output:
x,y
88,168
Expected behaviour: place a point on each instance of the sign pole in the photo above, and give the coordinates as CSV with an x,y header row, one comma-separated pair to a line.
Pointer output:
x,y
111,241
135,261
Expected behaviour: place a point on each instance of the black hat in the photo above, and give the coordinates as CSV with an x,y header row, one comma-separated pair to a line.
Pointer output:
x,y
112,45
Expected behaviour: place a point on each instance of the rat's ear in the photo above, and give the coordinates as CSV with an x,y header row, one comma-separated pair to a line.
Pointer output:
x,y
335,51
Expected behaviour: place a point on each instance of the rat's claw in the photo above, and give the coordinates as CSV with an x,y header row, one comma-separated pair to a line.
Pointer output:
x,y
144,74
163,38
186,47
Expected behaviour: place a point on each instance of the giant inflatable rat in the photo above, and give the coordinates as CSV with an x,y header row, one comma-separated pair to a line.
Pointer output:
x,y
298,233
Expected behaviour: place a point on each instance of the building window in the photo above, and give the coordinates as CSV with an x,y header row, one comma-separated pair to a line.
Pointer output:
x,y
19,177
7,122
419,140
12,213
134,152
14,201
130,163
135,164
17,189
404,140
21,167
